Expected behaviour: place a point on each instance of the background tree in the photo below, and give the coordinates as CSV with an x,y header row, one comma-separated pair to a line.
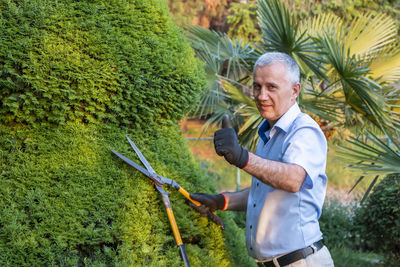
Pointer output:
x,y
206,13
347,10
242,19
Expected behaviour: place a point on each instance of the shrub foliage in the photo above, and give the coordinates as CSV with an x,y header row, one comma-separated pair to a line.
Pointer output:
x,y
66,200
122,62
379,217
76,77
337,224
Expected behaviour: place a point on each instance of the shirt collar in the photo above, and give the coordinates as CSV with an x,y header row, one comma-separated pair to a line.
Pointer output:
x,y
286,120
283,123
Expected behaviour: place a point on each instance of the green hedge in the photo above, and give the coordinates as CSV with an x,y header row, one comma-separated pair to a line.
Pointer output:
x,y
67,200
120,62
76,77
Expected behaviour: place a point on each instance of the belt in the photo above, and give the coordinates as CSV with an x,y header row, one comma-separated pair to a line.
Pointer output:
x,y
294,256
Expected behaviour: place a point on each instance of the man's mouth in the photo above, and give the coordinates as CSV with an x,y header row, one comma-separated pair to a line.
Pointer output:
x,y
264,106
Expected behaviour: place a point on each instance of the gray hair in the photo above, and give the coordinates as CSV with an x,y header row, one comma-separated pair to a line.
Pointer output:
x,y
272,57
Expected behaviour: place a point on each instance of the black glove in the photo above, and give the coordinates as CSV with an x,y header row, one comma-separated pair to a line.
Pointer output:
x,y
226,144
210,203
213,202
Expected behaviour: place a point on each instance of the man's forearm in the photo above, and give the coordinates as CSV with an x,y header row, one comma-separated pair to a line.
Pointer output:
x,y
237,200
288,177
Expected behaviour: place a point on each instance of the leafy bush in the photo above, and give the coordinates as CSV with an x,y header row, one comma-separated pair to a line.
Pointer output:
x,y
76,77
337,225
379,218
120,62
342,237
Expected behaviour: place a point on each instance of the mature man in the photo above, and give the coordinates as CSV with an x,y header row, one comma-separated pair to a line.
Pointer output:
x,y
288,186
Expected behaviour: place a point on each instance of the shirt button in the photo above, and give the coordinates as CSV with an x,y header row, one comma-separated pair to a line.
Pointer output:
x,y
251,226
254,205
251,248
258,183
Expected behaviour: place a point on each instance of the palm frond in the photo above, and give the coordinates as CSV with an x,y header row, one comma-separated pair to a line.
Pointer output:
x,y
236,93
369,33
248,137
371,185
371,37
208,102
236,57
325,22
322,105
233,53
387,68
376,158
221,109
222,56
213,66
362,93
281,33
356,183
201,36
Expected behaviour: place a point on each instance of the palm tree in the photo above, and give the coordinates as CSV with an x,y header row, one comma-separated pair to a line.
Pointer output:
x,y
347,68
344,64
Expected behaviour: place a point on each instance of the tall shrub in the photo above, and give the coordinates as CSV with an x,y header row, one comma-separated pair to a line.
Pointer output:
x,y
378,218
76,77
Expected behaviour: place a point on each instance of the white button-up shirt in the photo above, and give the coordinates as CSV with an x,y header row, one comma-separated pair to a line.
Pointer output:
x,y
278,221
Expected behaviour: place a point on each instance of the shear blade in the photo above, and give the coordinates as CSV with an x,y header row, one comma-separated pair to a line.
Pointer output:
x,y
133,164
141,157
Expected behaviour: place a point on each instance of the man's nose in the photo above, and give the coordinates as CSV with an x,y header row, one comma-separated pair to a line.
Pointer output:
x,y
263,94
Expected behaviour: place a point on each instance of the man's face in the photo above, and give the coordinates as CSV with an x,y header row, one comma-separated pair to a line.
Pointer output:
x,y
273,91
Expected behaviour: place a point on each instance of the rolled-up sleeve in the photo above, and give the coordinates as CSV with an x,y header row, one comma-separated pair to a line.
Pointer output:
x,y
307,148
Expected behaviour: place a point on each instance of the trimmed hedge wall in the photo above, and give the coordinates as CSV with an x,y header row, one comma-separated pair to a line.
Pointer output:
x,y
67,200
120,62
76,77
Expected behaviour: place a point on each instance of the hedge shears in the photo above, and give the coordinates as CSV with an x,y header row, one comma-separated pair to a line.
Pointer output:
x,y
159,182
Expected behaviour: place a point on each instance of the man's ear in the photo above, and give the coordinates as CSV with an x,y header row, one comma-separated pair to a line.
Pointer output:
x,y
296,90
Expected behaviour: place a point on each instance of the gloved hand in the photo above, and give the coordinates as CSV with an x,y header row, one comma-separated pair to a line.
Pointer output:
x,y
226,144
210,203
